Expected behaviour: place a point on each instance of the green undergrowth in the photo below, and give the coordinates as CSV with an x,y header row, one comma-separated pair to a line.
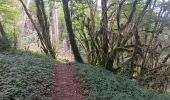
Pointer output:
x,y
104,85
25,76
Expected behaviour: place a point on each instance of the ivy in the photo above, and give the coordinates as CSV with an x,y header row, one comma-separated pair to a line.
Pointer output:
x,y
104,85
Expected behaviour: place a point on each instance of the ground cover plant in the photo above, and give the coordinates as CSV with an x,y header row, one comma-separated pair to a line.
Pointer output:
x,y
104,85
25,76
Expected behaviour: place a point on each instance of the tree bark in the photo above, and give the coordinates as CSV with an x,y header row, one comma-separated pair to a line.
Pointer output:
x,y
44,30
54,22
4,37
44,26
137,56
25,16
35,26
70,32
3,33
104,37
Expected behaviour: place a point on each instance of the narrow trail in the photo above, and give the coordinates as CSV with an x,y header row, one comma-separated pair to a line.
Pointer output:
x,y
65,84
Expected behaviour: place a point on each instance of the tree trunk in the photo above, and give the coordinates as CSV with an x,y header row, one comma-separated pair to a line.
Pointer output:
x,y
3,33
43,29
104,38
6,43
137,56
70,32
44,26
54,21
25,16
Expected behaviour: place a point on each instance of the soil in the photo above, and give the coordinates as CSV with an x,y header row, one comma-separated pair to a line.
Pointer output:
x,y
65,84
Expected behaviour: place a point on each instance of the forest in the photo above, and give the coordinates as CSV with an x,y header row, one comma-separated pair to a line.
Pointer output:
x,y
84,49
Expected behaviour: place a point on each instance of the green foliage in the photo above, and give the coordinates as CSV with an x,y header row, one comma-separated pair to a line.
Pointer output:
x,y
24,75
104,85
28,39
8,14
7,10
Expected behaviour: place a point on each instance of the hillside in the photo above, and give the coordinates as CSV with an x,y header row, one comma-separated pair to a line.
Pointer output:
x,y
25,76
104,85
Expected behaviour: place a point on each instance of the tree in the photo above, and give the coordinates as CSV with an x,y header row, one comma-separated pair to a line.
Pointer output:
x,y
70,31
54,21
44,30
8,14
5,42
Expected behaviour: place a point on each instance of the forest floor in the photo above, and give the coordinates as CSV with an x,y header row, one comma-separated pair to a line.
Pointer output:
x,y
25,76
104,85
66,85
30,76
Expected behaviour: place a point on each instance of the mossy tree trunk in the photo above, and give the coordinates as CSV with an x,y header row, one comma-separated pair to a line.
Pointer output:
x,y
71,34
5,42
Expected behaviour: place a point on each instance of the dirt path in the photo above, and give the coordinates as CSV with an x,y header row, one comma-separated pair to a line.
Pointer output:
x,y
66,86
